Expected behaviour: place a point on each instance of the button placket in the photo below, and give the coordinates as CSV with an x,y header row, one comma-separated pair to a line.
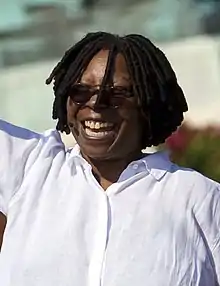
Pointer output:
x,y
100,241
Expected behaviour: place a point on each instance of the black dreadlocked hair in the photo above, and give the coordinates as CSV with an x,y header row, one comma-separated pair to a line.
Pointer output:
x,y
161,99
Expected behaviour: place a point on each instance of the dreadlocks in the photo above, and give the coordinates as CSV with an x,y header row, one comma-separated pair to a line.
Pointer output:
x,y
160,98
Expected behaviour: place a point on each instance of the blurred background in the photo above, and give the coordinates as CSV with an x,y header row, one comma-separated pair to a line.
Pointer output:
x,y
34,34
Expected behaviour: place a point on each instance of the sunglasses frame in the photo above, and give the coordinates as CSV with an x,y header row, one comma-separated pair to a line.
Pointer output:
x,y
123,92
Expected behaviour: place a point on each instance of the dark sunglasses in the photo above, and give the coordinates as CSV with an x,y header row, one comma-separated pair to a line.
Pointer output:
x,y
113,95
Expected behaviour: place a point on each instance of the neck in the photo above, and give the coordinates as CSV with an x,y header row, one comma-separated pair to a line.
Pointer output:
x,y
108,171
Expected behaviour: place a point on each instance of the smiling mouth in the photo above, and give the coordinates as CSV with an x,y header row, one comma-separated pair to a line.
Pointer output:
x,y
98,129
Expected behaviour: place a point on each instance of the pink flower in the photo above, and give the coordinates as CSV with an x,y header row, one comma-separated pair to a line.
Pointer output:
x,y
180,139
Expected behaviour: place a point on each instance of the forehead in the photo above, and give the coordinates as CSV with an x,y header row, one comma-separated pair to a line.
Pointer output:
x,y
95,70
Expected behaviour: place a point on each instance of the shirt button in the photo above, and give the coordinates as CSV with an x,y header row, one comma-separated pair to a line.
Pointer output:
x,y
135,166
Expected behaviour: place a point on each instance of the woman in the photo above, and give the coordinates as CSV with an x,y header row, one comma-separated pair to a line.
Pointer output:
x,y
104,213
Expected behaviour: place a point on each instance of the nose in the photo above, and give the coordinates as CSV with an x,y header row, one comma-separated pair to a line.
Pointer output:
x,y
98,101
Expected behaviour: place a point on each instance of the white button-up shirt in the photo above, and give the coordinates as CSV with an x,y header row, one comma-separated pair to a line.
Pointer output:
x,y
159,225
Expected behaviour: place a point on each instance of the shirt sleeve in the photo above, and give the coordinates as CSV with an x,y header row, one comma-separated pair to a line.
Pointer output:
x,y
208,216
16,144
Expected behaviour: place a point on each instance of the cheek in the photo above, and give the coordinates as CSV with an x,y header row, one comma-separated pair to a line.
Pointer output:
x,y
72,110
131,122
135,120
129,112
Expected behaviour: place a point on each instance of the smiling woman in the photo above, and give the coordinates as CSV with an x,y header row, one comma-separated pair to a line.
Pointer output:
x,y
103,212
122,81
117,113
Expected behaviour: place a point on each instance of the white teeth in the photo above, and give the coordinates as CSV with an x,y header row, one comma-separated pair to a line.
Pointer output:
x,y
97,125
92,125
95,134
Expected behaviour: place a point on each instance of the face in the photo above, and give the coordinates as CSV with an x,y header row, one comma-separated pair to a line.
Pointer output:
x,y
105,130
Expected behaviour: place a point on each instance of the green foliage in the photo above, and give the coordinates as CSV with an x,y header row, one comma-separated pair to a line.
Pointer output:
x,y
197,148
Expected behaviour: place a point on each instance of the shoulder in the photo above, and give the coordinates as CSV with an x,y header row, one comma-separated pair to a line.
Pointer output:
x,y
20,145
193,177
196,187
12,132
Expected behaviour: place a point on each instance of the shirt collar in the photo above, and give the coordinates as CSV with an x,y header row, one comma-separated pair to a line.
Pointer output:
x,y
157,163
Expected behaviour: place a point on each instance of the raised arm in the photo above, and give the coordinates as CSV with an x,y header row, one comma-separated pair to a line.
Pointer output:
x,y
16,144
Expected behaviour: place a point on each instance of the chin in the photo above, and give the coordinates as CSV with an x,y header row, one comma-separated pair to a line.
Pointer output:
x,y
101,153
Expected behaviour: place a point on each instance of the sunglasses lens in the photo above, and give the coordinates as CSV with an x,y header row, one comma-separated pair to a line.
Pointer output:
x,y
113,96
119,95
122,92
116,101
80,94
